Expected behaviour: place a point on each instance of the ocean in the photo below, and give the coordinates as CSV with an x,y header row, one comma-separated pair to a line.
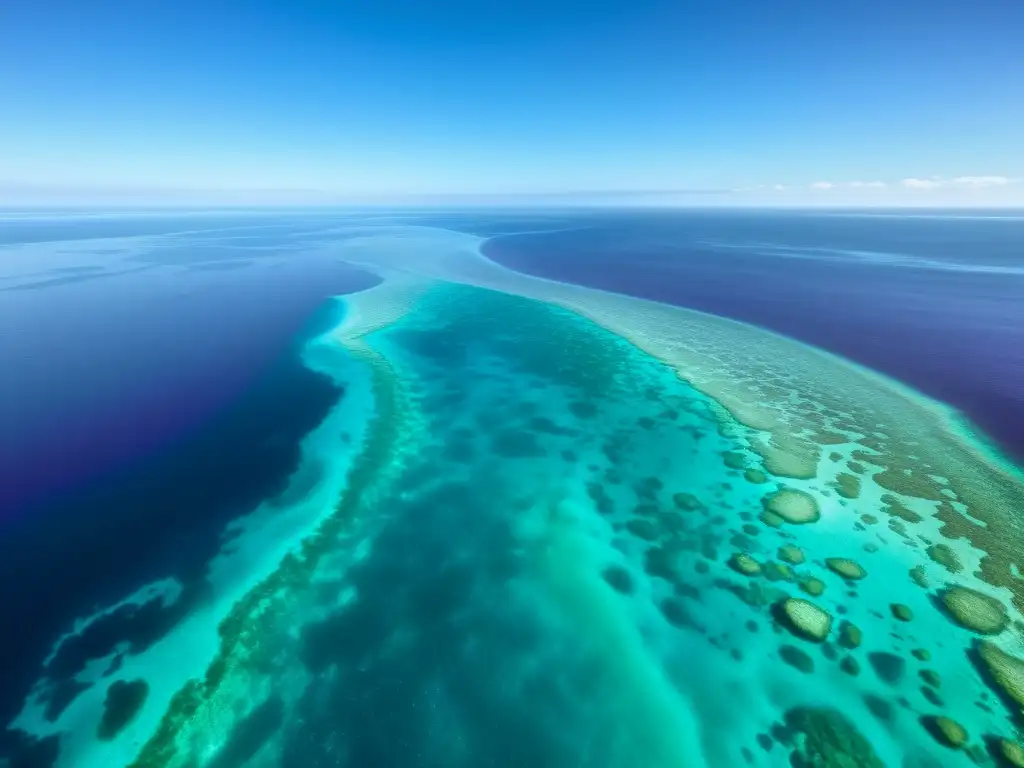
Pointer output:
x,y
188,416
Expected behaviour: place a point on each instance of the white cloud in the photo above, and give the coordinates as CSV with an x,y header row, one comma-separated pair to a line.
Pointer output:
x,y
921,183
982,181
858,189
848,185
963,182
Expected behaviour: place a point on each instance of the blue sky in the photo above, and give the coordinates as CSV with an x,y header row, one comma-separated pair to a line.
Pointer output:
x,y
788,101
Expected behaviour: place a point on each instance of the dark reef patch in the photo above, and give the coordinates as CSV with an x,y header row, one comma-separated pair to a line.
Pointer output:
x,y
123,702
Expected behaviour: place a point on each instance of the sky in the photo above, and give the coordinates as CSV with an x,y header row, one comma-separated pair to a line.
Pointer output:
x,y
788,102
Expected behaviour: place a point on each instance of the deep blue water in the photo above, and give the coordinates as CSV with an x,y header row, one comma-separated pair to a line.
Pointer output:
x,y
152,391
143,409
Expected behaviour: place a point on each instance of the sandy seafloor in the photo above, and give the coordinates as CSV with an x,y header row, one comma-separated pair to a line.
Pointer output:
x,y
529,557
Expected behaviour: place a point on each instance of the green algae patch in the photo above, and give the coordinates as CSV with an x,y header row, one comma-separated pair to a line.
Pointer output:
x,y
846,568
896,508
796,658
778,571
909,483
1011,752
901,612
941,554
847,485
975,611
744,564
734,460
791,554
755,476
825,738
850,635
1003,672
945,730
793,506
687,502
812,585
918,576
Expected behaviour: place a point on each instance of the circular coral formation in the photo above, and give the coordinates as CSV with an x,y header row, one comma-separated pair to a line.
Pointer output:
x,y
901,612
946,731
687,502
812,585
850,635
743,563
789,553
846,568
975,611
734,460
804,619
793,506
796,658
755,476
777,571
123,701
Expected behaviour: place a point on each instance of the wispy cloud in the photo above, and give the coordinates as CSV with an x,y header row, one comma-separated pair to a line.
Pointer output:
x,y
983,181
912,183
963,182
848,185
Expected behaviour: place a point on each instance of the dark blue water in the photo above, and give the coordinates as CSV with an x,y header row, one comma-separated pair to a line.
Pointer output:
x,y
934,301
142,409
